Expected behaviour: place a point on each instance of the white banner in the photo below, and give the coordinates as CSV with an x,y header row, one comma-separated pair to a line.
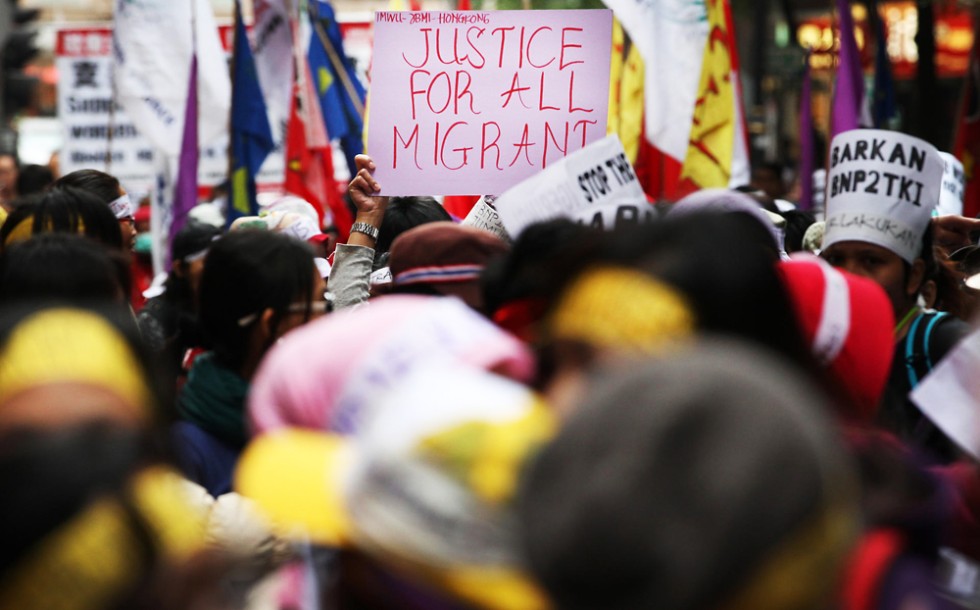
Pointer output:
x,y
954,184
152,48
595,185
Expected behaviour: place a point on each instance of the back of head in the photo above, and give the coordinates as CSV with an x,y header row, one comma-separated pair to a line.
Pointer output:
x,y
33,179
706,480
245,273
104,186
63,210
404,213
61,267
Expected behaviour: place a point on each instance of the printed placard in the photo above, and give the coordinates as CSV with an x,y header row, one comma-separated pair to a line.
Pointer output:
x,y
954,183
882,189
474,102
484,216
595,186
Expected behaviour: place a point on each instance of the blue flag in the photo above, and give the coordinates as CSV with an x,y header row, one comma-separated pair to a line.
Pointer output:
x,y
340,91
251,135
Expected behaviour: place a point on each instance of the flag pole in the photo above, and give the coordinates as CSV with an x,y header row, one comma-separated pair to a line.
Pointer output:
x,y
337,64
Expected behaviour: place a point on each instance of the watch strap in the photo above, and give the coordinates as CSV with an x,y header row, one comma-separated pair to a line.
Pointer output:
x,y
363,227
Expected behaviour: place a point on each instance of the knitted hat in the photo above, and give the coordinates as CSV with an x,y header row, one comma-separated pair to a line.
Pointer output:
x,y
445,257
322,375
711,479
882,189
426,486
848,322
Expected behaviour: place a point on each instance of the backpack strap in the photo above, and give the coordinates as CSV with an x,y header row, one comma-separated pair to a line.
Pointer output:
x,y
918,359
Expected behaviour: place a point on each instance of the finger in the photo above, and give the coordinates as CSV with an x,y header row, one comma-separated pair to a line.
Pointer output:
x,y
364,162
369,180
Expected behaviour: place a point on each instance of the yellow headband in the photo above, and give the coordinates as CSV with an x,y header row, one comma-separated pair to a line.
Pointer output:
x,y
25,230
70,345
94,557
622,309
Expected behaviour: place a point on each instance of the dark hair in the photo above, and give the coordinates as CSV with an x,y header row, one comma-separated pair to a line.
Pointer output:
x,y
33,179
100,184
193,238
404,213
246,272
61,267
66,210
797,222
725,268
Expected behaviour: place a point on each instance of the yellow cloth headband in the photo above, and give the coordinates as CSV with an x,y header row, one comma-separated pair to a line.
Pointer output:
x,y
70,345
620,308
94,557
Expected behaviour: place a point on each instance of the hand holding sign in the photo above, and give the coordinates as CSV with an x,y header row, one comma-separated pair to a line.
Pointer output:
x,y
474,102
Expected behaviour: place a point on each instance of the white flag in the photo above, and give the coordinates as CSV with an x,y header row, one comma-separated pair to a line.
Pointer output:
x,y
152,48
272,47
671,36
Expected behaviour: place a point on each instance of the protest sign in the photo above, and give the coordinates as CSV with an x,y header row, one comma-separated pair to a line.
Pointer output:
x,y
484,216
474,102
99,134
954,183
595,186
882,188
949,395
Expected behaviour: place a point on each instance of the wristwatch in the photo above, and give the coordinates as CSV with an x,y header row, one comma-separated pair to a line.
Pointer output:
x,y
363,227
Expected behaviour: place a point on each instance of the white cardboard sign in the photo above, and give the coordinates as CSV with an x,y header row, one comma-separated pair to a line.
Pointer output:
x,y
595,186
950,395
882,189
484,216
954,183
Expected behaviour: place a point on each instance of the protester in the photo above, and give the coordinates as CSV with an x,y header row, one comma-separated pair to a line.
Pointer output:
x,y
63,210
896,253
33,179
108,189
169,322
255,287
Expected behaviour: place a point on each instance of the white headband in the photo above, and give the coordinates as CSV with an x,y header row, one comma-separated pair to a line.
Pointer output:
x,y
122,207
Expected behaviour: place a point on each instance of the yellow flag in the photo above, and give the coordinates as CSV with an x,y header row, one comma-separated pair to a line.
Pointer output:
x,y
625,92
710,149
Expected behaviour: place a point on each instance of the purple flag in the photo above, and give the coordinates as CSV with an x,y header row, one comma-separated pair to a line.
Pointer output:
x,y
806,139
849,91
185,193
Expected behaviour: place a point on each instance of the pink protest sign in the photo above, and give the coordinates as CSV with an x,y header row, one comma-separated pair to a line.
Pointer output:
x,y
474,102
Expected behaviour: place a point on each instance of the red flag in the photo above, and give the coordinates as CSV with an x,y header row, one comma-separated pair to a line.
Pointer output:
x,y
463,5
967,146
309,156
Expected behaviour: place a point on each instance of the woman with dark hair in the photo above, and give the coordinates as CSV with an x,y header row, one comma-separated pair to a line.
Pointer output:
x,y
108,189
256,286
62,210
61,267
169,322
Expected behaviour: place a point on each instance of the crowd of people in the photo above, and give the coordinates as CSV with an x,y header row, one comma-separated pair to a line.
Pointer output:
x,y
713,409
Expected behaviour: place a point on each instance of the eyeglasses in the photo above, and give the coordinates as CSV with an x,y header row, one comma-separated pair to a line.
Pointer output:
x,y
315,308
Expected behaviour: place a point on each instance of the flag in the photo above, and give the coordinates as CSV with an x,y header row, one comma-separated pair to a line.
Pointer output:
x,y
339,90
671,41
807,161
273,52
884,104
848,100
714,139
185,192
401,5
309,156
251,136
156,46
967,143
626,92
152,46
462,5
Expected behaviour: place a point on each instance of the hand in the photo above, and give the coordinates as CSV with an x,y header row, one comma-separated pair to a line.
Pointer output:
x,y
363,188
952,232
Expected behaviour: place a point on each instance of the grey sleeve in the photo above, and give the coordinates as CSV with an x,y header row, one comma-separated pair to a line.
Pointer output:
x,y
350,276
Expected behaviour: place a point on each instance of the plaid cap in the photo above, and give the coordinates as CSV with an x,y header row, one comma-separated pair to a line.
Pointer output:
x,y
444,256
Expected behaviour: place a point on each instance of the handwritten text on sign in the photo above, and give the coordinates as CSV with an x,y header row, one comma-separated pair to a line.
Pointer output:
x,y
475,102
